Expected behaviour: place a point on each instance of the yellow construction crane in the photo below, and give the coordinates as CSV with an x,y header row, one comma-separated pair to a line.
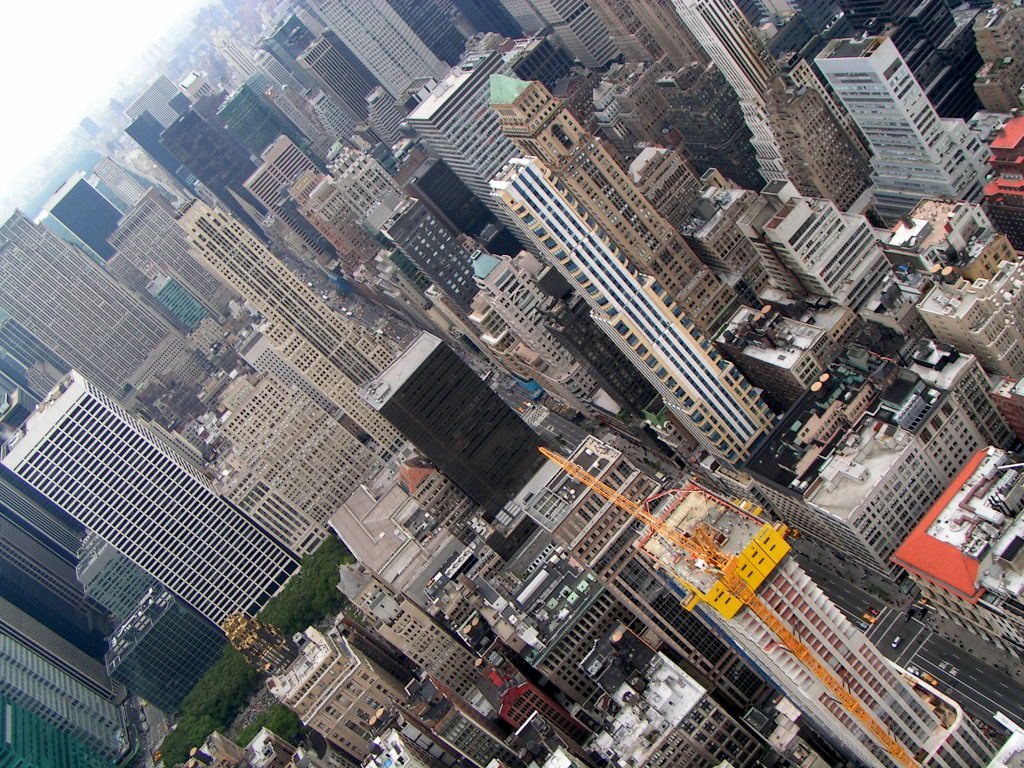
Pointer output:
x,y
739,575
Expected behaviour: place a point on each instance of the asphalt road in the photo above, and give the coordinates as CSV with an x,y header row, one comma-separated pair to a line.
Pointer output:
x,y
980,689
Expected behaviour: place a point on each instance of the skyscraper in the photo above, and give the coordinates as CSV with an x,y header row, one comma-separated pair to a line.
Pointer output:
x,y
332,352
785,625
79,311
388,47
456,421
708,396
80,214
728,39
458,124
117,478
344,75
540,126
151,245
54,681
915,154
162,100
219,160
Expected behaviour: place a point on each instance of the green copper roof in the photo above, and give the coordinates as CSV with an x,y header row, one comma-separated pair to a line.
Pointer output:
x,y
505,89
484,264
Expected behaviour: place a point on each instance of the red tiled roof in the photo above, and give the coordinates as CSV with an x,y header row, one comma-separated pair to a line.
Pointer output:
x,y
1011,135
1004,187
940,563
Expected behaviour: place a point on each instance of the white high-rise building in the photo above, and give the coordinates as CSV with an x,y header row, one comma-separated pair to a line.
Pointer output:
x,y
157,101
708,395
117,478
388,47
833,254
746,583
459,125
726,37
914,153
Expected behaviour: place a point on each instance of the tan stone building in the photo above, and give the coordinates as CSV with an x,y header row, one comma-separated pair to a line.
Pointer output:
x,y
291,464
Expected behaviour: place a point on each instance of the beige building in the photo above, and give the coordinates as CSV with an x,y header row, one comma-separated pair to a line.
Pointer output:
x,y
412,630
999,37
335,689
666,178
540,126
786,355
336,354
949,239
290,464
856,463
984,317
822,158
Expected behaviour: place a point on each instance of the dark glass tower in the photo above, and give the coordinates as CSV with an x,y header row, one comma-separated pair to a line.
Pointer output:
x,y
88,215
457,422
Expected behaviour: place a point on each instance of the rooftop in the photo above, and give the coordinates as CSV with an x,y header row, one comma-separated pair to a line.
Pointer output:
x,y
973,536
852,48
1011,136
775,339
379,390
505,89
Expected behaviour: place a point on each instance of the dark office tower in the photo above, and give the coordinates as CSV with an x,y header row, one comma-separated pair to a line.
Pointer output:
x,y
75,308
26,360
55,681
162,649
428,244
433,27
457,422
256,122
347,79
217,159
82,216
146,130
437,187
488,16
707,113
28,740
38,576
539,59
291,38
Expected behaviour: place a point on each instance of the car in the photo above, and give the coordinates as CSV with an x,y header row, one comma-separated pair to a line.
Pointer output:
x,y
923,601
869,618
861,624
913,670
930,679
873,611
896,641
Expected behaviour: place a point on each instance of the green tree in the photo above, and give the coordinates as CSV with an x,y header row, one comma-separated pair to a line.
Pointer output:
x,y
278,719
312,594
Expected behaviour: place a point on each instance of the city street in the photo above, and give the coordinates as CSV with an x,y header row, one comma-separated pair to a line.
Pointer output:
x,y
979,687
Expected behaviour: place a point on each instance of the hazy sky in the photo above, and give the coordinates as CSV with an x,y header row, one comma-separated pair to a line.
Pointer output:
x,y
59,59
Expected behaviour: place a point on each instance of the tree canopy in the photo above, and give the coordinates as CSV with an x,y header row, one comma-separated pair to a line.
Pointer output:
x,y
223,692
211,705
312,594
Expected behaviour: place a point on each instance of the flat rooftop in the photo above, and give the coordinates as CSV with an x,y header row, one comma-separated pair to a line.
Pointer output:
x,y
972,538
852,48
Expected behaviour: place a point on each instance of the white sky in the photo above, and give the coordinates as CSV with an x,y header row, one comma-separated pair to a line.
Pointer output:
x,y
60,58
